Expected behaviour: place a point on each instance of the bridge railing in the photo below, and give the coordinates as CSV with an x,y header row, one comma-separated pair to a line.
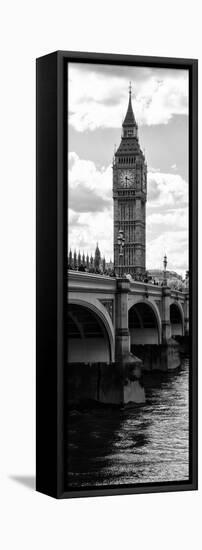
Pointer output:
x,y
79,279
179,294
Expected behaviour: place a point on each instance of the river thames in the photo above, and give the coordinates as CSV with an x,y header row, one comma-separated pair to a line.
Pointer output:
x,y
113,447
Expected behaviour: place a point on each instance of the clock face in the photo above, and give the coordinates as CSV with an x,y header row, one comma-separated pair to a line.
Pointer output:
x,y
126,178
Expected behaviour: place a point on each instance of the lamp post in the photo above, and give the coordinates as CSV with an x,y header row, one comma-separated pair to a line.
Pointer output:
x,y
121,241
187,279
165,261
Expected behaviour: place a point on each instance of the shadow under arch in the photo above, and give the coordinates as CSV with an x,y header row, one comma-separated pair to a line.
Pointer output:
x,y
176,319
144,323
90,338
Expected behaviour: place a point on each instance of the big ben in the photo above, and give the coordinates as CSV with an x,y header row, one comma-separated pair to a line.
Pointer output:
x,y
130,195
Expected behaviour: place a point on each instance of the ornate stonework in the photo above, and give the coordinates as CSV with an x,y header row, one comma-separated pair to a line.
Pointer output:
x,y
130,195
108,304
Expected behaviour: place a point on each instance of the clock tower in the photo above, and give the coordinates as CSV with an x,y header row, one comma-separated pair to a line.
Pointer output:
x,y
129,195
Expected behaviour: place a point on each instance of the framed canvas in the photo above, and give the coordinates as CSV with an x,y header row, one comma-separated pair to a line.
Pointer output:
x,y
116,386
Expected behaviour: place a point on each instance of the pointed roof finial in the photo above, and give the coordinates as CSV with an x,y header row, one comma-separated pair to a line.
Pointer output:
x,y
129,119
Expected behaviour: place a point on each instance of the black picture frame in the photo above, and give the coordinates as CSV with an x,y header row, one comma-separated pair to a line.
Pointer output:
x,y
51,272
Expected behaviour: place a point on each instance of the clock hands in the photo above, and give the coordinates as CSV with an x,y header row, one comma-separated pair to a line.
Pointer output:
x,y
127,179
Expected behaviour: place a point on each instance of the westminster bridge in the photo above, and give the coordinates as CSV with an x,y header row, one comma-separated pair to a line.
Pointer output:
x,y
109,317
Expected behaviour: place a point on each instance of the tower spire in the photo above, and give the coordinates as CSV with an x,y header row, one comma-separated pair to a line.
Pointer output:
x,y
129,120
130,172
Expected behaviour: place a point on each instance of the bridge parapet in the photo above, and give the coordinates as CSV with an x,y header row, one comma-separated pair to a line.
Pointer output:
x,y
145,289
96,282
178,295
90,281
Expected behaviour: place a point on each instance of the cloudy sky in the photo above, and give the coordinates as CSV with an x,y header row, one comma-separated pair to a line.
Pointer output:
x,y
97,104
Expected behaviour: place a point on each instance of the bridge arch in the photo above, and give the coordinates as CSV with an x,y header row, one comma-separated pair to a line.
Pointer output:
x,y
176,319
144,322
90,336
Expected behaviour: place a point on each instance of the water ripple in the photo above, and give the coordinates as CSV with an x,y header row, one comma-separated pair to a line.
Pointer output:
x,y
109,446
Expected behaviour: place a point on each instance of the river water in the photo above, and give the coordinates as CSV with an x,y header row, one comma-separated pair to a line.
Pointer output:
x,y
112,447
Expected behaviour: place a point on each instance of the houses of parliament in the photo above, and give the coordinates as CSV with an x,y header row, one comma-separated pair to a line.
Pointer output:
x,y
96,263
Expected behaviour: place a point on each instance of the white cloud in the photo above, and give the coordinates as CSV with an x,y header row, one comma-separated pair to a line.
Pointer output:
x,y
174,219
90,229
158,100
153,169
87,183
72,216
176,249
166,190
167,221
99,100
82,171
90,201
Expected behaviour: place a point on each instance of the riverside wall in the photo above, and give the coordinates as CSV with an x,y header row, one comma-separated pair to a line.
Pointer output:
x,y
113,384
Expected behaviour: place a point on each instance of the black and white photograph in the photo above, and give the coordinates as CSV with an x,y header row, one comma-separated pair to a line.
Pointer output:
x,y
127,373
100,301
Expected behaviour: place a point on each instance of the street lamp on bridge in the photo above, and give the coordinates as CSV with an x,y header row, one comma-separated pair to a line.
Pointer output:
x,y
187,279
121,241
165,261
